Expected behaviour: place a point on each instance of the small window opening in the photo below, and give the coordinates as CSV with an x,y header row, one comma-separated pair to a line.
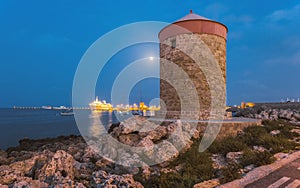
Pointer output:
x,y
173,43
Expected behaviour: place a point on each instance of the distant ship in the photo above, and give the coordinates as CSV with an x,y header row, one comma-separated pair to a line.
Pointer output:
x,y
100,105
60,108
47,107
68,112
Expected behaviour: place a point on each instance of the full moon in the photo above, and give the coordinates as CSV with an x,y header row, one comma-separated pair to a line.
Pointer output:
x,y
151,58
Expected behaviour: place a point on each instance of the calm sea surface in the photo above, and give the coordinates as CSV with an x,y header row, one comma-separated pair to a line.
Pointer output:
x,y
19,124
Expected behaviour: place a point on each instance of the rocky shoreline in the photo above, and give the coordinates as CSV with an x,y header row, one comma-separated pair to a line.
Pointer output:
x,y
65,161
288,112
68,161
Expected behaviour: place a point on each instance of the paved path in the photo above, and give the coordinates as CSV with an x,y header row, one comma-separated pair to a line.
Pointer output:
x,y
284,173
232,120
287,176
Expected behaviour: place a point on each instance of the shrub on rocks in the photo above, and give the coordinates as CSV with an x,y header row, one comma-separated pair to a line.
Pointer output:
x,y
227,145
257,158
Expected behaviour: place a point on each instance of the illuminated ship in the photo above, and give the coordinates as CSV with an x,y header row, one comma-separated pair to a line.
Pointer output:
x,y
47,107
100,105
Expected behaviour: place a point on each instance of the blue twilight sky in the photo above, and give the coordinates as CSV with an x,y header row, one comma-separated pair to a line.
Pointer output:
x,y
42,42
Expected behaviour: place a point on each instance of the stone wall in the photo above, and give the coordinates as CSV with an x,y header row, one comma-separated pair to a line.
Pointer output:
x,y
197,66
232,128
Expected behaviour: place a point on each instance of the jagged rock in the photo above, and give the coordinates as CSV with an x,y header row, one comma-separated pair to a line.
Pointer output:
x,y
83,170
146,171
273,115
17,170
248,168
178,167
109,149
167,170
297,116
259,148
190,129
38,168
129,139
103,162
147,146
3,157
148,126
270,113
208,184
112,127
180,139
218,161
59,170
146,142
8,175
157,133
286,114
279,156
296,131
75,151
27,183
20,155
295,123
275,132
186,126
234,156
165,152
103,179
116,132
240,133
195,133
130,125
171,128
131,161
89,154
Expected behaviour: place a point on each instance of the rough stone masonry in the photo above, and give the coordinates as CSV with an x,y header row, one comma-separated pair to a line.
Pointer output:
x,y
194,34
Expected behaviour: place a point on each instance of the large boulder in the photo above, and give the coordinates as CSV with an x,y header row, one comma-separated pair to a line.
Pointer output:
x,y
286,115
179,138
17,170
59,170
297,116
165,152
129,139
130,125
158,133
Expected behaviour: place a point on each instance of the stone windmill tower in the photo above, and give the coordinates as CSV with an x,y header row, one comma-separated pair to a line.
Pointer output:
x,y
180,35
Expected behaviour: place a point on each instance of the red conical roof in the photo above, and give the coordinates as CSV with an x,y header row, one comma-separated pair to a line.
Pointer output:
x,y
192,16
193,23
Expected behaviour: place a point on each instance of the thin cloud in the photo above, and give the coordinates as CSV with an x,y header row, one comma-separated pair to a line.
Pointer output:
x,y
223,12
50,40
216,10
249,83
293,59
285,14
239,19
